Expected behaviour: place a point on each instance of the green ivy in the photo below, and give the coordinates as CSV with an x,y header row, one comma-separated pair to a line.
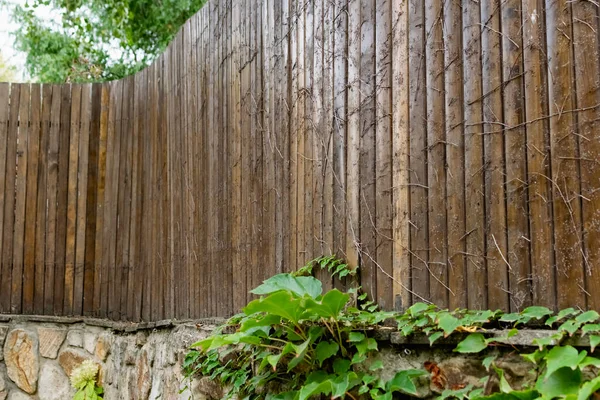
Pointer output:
x,y
295,342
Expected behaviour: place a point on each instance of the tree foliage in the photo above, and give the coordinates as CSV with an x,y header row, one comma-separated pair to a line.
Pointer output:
x,y
8,72
96,40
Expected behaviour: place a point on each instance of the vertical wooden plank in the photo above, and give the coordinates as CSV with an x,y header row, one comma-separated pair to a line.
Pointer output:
x,y
300,131
80,269
320,137
401,151
33,150
339,130
9,201
286,71
163,266
42,206
309,132
587,70
186,148
91,283
565,161
515,141
62,189
195,293
352,247
124,199
455,150
20,198
72,195
383,154
293,149
474,167
538,160
111,304
5,127
368,212
418,153
436,145
150,224
52,196
237,238
136,268
328,115
497,269
104,165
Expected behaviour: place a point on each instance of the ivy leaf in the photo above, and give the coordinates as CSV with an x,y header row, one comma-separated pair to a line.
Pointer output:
x,y
355,337
570,327
487,362
590,328
590,361
589,388
301,285
377,364
366,345
448,323
326,350
341,365
536,312
562,382
504,385
474,343
330,305
587,317
417,308
280,303
561,357
536,356
358,358
594,341
551,340
314,388
403,381
273,359
561,315
434,337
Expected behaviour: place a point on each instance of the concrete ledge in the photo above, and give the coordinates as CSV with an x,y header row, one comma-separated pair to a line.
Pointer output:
x,y
524,337
118,326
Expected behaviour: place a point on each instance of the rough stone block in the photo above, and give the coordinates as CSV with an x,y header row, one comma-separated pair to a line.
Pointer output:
x,y
103,345
75,338
70,359
21,359
50,341
89,342
17,395
54,384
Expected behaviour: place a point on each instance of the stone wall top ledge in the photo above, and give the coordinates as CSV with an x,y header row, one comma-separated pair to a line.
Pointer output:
x,y
117,326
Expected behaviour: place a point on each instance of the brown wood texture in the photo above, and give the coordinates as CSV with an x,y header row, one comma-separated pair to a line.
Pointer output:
x,y
446,148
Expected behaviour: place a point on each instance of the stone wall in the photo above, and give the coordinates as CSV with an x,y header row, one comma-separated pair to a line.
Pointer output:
x,y
136,361
143,361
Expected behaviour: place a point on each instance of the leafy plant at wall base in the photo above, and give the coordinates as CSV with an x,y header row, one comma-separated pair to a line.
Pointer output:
x,y
83,378
296,342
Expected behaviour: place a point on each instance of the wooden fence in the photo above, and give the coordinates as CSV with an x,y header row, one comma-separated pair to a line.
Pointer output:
x,y
448,147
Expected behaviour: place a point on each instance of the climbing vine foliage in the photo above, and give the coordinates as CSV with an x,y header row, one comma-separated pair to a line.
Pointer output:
x,y
296,342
